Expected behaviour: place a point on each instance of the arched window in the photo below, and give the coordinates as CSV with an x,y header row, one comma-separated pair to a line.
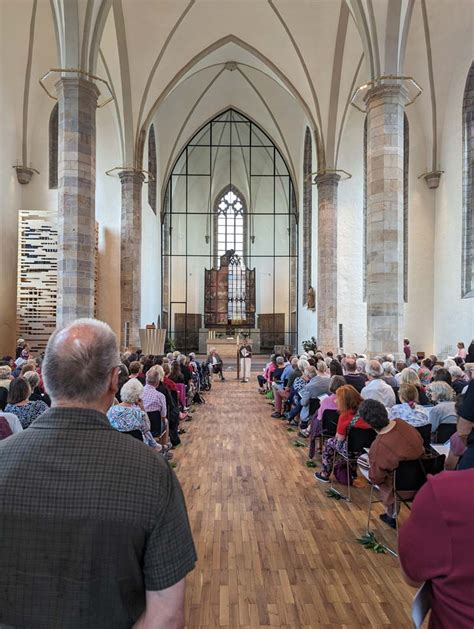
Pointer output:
x,y
406,163
307,213
152,169
53,148
468,188
230,220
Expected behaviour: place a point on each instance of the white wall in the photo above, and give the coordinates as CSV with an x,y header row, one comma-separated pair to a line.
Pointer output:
x,y
453,316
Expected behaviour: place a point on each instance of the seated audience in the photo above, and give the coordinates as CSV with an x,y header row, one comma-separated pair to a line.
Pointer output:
x,y
352,377
396,441
317,385
335,368
424,372
13,422
361,367
457,378
435,545
176,375
135,371
408,376
389,374
19,404
409,409
444,411
215,363
153,400
348,401
130,415
5,376
282,394
328,404
34,381
123,377
376,388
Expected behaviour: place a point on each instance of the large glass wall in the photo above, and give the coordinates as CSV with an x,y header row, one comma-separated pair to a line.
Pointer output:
x,y
230,188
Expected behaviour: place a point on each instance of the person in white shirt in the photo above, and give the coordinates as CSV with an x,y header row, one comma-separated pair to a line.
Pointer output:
x,y
13,422
378,389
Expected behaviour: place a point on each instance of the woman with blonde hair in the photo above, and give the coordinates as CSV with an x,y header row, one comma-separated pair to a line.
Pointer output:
x,y
348,400
409,376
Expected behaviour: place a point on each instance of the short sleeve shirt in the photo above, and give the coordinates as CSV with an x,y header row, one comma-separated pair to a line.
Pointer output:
x,y
90,518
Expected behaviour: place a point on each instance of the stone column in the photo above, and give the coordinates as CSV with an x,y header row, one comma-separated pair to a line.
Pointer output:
x,y
77,103
385,302
130,255
327,261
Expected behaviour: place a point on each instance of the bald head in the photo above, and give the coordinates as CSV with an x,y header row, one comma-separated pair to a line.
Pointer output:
x,y
79,361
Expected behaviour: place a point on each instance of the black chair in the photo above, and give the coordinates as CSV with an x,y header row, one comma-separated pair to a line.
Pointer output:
x,y
329,423
425,432
155,422
314,405
410,476
444,432
135,433
357,440
3,398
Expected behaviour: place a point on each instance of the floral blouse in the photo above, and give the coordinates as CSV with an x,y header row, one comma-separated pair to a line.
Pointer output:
x,y
415,415
28,412
127,418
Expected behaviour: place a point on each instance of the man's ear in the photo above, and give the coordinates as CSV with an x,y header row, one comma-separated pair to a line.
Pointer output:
x,y
113,385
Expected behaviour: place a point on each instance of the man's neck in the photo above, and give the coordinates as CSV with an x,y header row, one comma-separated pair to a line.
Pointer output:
x,y
101,406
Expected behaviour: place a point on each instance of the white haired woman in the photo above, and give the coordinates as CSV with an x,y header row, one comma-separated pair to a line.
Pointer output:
x,y
129,414
444,411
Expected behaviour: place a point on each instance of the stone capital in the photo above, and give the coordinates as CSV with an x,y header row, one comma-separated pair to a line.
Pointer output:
x,y
131,176
327,179
73,86
394,92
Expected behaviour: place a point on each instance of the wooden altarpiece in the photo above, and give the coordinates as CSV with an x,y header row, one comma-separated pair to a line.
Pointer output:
x,y
229,294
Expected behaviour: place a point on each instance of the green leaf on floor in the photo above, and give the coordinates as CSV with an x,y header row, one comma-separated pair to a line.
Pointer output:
x,y
310,464
298,444
290,429
369,542
332,493
173,464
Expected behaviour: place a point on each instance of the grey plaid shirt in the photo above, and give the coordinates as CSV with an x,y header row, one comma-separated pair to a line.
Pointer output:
x,y
90,518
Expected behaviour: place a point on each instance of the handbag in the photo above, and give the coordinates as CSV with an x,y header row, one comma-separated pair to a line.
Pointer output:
x,y
340,468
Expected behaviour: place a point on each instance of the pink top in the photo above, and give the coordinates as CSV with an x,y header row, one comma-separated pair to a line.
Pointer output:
x,y
328,404
462,353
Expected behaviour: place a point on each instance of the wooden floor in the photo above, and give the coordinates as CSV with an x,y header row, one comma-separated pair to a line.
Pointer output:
x,y
274,550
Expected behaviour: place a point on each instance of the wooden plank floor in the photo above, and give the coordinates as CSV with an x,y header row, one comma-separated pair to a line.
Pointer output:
x,y
274,550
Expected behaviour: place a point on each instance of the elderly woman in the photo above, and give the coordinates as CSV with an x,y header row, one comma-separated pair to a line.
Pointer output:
x,y
19,404
5,376
348,401
328,404
130,415
409,376
458,380
389,374
444,411
36,394
396,441
409,409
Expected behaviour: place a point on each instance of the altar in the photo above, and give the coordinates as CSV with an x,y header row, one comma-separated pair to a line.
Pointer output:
x,y
226,346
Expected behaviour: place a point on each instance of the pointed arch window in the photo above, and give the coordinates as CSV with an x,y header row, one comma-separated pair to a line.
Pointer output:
x,y
230,223
152,169
307,213
468,188
53,148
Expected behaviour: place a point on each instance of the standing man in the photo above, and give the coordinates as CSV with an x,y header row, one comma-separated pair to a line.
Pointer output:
x,y
94,532
245,355
406,349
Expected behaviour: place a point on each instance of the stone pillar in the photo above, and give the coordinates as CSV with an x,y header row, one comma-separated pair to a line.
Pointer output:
x,y
385,302
77,101
327,261
130,256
